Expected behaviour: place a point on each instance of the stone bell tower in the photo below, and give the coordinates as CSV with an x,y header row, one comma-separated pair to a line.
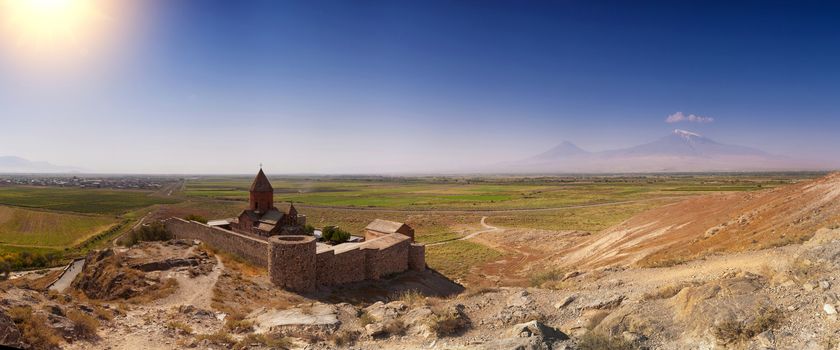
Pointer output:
x,y
262,194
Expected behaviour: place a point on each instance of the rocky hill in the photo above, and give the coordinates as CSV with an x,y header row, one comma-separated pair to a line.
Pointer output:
x,y
715,224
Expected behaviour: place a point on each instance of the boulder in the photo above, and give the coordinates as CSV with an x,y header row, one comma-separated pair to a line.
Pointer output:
x,y
9,333
565,302
520,298
535,329
605,304
829,309
375,330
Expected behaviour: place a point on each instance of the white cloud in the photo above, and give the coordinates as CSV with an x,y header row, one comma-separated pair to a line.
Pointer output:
x,y
680,117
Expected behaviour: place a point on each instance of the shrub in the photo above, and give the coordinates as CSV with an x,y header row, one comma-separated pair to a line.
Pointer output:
x,y
220,338
335,234
272,341
540,278
309,229
447,322
601,341
410,297
86,325
179,327
34,329
344,338
733,331
238,326
151,232
194,217
26,259
104,314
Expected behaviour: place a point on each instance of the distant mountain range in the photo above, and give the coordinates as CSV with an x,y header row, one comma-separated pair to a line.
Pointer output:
x,y
680,151
12,164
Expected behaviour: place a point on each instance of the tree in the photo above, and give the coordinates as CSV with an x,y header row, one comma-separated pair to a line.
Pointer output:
x,y
309,229
334,234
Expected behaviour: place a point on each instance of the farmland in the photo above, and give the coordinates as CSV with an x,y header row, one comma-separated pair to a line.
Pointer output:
x,y
79,200
441,209
484,193
24,227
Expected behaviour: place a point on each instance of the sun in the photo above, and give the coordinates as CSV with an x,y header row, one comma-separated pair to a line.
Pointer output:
x,y
51,24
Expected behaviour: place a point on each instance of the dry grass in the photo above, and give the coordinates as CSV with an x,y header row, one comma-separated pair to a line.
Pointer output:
x,y
733,331
104,314
85,324
668,291
238,325
169,286
395,327
365,319
480,291
234,262
180,327
220,338
601,341
410,297
34,328
541,278
447,322
267,340
344,338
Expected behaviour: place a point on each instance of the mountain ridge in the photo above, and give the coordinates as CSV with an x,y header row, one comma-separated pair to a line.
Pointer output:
x,y
15,164
679,151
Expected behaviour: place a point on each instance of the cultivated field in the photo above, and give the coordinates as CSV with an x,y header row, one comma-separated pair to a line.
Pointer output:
x,y
34,228
441,209
79,200
444,209
483,193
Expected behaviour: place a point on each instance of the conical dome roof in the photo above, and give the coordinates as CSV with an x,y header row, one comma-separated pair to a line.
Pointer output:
x,y
261,183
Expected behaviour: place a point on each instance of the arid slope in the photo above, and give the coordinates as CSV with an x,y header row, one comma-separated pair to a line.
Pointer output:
x,y
711,224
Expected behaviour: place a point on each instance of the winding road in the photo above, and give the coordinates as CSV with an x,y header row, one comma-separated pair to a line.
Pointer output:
x,y
487,228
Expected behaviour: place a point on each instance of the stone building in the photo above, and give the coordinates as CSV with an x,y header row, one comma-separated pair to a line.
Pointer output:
x,y
379,228
262,218
272,238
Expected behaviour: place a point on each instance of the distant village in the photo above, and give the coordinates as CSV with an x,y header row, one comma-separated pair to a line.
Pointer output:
x,y
78,181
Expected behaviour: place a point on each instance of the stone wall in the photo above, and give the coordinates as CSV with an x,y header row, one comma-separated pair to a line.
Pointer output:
x,y
417,257
292,262
295,263
252,249
349,266
386,255
324,267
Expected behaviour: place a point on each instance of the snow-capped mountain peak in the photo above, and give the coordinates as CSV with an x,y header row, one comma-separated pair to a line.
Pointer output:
x,y
686,134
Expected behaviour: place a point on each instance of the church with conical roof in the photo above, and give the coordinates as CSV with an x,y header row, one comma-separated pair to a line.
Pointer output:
x,y
262,218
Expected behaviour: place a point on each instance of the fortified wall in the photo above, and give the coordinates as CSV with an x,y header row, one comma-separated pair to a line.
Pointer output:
x,y
299,263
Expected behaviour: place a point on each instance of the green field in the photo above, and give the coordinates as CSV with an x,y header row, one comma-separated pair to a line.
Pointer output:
x,y
481,193
79,200
70,221
455,259
36,230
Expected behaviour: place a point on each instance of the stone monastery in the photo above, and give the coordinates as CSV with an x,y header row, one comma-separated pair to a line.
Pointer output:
x,y
275,239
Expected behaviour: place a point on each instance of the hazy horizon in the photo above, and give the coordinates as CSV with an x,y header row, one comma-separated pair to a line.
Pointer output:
x,y
203,87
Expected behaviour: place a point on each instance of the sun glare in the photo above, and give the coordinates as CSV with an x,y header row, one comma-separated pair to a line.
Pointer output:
x,y
56,29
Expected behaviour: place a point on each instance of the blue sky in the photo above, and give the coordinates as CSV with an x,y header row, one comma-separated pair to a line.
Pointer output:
x,y
420,86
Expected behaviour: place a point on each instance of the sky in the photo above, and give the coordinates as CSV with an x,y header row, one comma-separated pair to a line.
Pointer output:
x,y
206,86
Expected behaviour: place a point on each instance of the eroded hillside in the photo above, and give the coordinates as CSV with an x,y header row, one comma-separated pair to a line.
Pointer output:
x,y
712,224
